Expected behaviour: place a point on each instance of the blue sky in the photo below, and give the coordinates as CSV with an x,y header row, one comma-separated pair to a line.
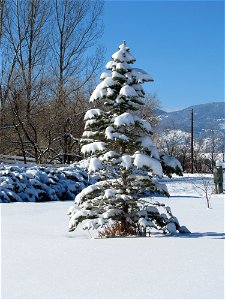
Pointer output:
x,y
179,43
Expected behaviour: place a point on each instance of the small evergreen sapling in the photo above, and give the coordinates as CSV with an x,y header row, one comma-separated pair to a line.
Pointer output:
x,y
119,143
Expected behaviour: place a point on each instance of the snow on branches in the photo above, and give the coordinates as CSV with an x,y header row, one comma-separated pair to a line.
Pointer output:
x,y
123,153
37,184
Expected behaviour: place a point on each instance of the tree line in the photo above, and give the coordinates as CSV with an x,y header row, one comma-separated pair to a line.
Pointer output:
x,y
49,61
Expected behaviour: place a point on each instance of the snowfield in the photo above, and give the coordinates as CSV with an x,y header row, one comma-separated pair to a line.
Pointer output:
x,y
40,259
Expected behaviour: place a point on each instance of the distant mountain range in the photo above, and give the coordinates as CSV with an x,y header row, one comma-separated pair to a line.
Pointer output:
x,y
206,117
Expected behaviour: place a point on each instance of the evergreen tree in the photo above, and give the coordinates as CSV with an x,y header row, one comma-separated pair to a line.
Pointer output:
x,y
123,153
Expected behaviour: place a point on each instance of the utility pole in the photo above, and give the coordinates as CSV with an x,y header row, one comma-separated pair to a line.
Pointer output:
x,y
192,141
223,149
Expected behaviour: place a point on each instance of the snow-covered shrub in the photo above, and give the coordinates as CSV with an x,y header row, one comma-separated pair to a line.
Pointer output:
x,y
37,183
123,153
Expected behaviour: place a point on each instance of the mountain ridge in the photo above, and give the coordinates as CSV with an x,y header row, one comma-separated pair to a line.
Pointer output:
x,y
208,116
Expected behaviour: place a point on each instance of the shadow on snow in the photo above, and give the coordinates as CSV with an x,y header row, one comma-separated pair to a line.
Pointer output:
x,y
194,235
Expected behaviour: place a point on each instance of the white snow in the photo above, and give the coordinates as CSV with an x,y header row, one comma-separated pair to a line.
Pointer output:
x,y
101,88
128,91
90,224
116,75
81,213
41,260
130,58
111,134
94,165
104,75
127,119
110,154
123,66
91,113
93,147
85,192
161,187
98,93
90,123
109,193
124,119
145,141
145,223
140,75
171,162
111,213
123,55
110,65
145,125
126,161
119,56
124,197
93,224
89,134
110,92
141,160
138,87
154,152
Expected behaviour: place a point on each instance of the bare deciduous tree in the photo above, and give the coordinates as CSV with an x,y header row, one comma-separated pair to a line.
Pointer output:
x,y
26,42
148,111
47,70
77,29
204,187
2,6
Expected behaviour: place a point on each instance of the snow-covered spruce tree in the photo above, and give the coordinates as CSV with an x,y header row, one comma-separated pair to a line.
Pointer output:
x,y
122,151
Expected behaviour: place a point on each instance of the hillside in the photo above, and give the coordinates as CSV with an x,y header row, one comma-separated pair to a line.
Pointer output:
x,y
206,117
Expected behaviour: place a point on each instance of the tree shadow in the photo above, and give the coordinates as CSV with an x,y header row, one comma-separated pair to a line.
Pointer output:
x,y
184,196
186,179
175,196
195,235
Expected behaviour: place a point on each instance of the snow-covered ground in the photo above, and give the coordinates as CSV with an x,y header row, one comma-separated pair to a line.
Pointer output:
x,y
40,259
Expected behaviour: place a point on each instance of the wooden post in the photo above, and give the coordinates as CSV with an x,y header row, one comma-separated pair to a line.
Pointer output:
x,y
192,141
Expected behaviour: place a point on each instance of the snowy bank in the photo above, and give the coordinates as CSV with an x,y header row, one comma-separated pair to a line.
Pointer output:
x,y
37,184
